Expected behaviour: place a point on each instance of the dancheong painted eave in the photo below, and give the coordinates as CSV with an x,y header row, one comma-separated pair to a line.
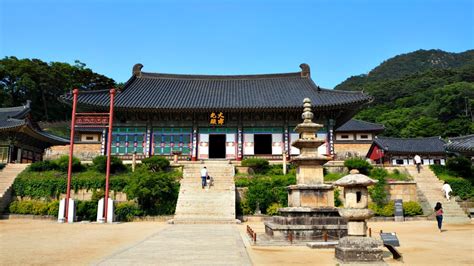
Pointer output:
x,y
156,92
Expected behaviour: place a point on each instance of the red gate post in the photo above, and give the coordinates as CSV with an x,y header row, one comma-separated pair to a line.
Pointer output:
x,y
71,149
109,148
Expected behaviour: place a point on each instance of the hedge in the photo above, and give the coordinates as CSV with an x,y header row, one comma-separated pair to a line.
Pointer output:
x,y
36,207
50,184
360,164
257,164
410,208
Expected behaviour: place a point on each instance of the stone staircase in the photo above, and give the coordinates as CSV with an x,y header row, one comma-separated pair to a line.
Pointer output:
x,y
429,193
7,176
209,205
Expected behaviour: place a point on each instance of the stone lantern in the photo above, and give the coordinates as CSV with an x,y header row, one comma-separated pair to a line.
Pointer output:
x,y
357,247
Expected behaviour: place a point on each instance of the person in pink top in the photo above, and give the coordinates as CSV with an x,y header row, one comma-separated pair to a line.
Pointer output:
x,y
439,215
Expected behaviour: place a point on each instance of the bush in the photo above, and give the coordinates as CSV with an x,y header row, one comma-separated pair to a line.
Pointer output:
x,y
412,208
125,211
116,165
378,192
460,166
35,207
42,166
63,163
86,210
333,176
156,193
360,164
337,200
386,210
156,163
242,182
268,190
257,164
243,207
273,208
2,165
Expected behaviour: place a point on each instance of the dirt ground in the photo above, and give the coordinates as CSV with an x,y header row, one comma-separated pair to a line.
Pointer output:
x,y
47,242
421,243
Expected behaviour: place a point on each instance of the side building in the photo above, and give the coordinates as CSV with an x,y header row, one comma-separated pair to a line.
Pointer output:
x,y
354,138
21,139
400,151
232,117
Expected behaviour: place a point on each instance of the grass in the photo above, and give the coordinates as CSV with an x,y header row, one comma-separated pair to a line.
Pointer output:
x,y
333,176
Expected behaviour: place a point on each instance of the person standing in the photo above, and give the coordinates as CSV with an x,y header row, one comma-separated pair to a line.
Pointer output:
x,y
417,160
439,215
447,189
204,175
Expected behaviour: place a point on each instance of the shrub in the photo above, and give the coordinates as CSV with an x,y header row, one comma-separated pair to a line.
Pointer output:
x,y
125,211
156,193
360,164
273,208
257,164
242,182
100,164
333,176
460,166
156,163
386,210
35,207
86,210
42,166
337,200
412,208
378,192
63,163
243,207
268,190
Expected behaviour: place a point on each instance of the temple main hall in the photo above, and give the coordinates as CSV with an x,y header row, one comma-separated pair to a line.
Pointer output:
x,y
230,117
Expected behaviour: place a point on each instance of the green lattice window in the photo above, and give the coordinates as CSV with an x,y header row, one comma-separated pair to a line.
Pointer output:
x,y
222,130
257,130
168,140
128,140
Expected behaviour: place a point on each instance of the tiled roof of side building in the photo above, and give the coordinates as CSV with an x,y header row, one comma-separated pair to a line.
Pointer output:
x,y
411,145
354,125
461,144
168,92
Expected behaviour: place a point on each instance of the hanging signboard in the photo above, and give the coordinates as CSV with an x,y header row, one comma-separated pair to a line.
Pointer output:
x,y
216,119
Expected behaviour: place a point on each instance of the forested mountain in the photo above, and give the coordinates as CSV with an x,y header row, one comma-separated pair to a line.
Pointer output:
x,y
42,83
420,94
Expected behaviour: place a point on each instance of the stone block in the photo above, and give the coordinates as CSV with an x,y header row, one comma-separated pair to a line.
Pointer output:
x,y
357,228
359,249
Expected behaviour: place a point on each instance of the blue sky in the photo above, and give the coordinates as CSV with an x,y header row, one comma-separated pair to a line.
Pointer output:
x,y
336,38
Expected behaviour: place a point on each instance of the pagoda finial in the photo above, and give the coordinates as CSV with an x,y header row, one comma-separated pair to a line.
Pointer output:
x,y
307,111
137,70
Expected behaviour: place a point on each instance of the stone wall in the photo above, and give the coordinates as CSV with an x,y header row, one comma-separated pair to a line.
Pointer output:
x,y
343,150
84,194
404,190
85,152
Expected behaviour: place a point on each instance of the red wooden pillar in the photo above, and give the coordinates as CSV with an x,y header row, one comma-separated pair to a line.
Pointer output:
x,y
71,150
109,152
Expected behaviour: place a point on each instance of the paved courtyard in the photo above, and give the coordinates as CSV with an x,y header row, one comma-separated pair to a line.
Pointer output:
x,y
48,243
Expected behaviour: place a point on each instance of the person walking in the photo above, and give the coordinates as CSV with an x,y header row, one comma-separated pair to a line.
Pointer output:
x,y
439,215
447,189
417,160
204,175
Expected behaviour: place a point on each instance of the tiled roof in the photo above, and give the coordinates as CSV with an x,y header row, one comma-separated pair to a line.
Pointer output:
x,y
360,126
463,144
14,119
411,146
168,92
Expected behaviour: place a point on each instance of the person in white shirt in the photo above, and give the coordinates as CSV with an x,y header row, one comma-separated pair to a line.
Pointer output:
x,y
417,160
447,189
204,176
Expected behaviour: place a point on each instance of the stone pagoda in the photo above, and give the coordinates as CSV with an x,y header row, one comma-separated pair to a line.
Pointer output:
x,y
357,247
311,213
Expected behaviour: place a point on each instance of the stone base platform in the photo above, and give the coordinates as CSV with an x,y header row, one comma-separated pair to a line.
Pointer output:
x,y
359,250
306,224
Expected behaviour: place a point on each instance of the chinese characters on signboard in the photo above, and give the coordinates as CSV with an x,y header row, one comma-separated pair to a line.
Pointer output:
x,y
216,119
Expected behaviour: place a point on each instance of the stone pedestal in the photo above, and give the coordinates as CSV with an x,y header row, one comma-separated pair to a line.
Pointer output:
x,y
359,249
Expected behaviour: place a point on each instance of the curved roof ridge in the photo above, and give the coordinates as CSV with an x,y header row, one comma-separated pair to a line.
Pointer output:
x,y
461,137
205,77
417,138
